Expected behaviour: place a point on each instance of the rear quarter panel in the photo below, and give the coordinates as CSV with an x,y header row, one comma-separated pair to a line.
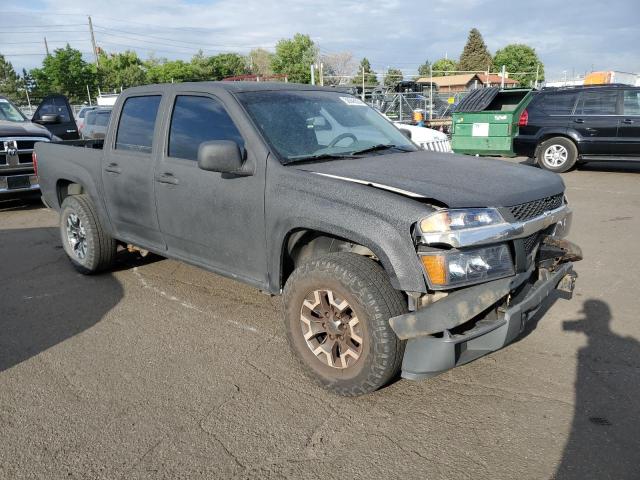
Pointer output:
x,y
58,162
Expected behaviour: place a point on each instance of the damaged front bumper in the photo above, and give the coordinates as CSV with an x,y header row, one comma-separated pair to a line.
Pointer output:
x,y
474,321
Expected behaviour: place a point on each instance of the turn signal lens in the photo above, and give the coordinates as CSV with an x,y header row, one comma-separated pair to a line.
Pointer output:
x,y
435,267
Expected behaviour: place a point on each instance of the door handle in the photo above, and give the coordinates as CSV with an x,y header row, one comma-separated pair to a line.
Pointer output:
x,y
579,120
113,168
167,177
628,121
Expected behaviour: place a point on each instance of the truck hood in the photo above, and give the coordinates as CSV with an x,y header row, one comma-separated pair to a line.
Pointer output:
x,y
457,181
22,129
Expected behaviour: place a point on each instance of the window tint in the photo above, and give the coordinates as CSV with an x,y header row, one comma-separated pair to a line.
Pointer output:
x,y
91,118
597,103
54,106
632,102
137,121
558,103
196,120
102,118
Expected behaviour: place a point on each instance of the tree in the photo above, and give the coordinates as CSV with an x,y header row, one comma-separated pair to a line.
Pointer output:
x,y
444,67
65,72
120,70
392,77
370,77
165,71
294,58
475,56
518,57
217,67
338,68
259,61
10,82
424,70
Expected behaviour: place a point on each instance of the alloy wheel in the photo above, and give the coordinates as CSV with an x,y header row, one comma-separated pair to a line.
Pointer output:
x,y
331,329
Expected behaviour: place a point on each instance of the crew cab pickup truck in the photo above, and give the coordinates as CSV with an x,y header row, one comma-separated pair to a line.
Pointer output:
x,y
388,258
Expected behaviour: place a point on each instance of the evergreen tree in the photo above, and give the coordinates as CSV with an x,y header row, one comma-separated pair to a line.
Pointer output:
x,y
475,56
392,77
9,81
370,77
424,70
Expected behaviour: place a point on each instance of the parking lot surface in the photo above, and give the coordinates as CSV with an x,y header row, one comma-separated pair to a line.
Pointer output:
x,y
163,370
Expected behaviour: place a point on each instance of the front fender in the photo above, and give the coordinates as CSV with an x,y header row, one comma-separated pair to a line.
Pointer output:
x,y
376,219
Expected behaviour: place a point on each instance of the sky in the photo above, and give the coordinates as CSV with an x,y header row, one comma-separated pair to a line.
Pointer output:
x,y
571,37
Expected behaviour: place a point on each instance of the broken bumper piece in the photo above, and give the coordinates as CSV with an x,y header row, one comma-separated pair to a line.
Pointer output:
x,y
437,339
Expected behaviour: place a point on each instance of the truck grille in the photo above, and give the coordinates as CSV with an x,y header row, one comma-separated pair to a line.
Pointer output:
x,y
15,152
530,242
529,210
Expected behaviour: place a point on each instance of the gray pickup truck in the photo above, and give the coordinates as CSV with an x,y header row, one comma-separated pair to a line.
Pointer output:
x,y
388,258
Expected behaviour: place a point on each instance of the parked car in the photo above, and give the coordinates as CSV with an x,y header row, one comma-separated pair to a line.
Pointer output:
x,y
17,138
426,138
388,257
96,122
80,117
564,126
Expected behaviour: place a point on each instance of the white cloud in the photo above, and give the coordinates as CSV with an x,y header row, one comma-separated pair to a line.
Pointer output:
x,y
567,35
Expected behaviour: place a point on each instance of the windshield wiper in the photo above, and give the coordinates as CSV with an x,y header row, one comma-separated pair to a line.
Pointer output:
x,y
381,146
320,156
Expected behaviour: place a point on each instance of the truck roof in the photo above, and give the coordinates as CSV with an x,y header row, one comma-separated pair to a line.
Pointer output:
x,y
232,87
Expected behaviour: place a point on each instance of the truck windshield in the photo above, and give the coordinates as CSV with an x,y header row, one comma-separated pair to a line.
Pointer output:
x,y
308,125
10,113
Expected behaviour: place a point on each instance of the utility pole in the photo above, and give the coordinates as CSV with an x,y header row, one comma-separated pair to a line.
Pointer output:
x,y
93,40
363,97
46,46
537,75
321,74
313,74
504,73
430,92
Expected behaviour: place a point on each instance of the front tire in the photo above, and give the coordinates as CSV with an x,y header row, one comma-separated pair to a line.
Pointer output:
x,y
89,248
337,310
557,154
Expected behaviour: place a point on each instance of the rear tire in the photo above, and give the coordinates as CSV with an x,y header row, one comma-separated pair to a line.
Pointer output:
x,y
557,154
337,310
89,248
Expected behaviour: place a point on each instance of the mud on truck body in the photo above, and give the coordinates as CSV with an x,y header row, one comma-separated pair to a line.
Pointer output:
x,y
389,259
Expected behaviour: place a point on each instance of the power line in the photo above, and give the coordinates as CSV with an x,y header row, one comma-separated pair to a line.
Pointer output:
x,y
106,30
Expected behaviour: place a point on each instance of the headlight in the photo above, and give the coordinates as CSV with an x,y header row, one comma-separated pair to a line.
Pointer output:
x,y
450,220
454,268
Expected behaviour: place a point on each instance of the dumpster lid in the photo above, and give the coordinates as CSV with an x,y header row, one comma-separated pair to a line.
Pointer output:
x,y
477,100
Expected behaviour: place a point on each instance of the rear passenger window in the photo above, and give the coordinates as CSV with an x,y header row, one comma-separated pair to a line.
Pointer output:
x,y
137,122
559,103
196,120
632,102
597,103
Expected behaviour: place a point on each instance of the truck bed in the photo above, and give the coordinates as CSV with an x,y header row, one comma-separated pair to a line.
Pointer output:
x,y
64,162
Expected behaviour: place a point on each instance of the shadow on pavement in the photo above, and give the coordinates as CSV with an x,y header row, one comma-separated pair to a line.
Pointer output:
x,y
43,300
622,167
605,435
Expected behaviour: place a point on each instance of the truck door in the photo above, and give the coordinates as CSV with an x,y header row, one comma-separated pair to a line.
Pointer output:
x,y
209,218
596,120
629,126
55,114
127,171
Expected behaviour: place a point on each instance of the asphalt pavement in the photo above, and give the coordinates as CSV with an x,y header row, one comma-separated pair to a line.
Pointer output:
x,y
163,370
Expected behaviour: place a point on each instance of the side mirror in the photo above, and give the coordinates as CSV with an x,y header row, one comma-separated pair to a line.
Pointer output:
x,y
406,132
49,119
224,156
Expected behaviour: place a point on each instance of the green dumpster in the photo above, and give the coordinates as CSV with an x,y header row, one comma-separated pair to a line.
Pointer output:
x,y
486,121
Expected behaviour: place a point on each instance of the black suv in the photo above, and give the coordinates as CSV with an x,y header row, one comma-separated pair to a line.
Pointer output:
x,y
562,126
